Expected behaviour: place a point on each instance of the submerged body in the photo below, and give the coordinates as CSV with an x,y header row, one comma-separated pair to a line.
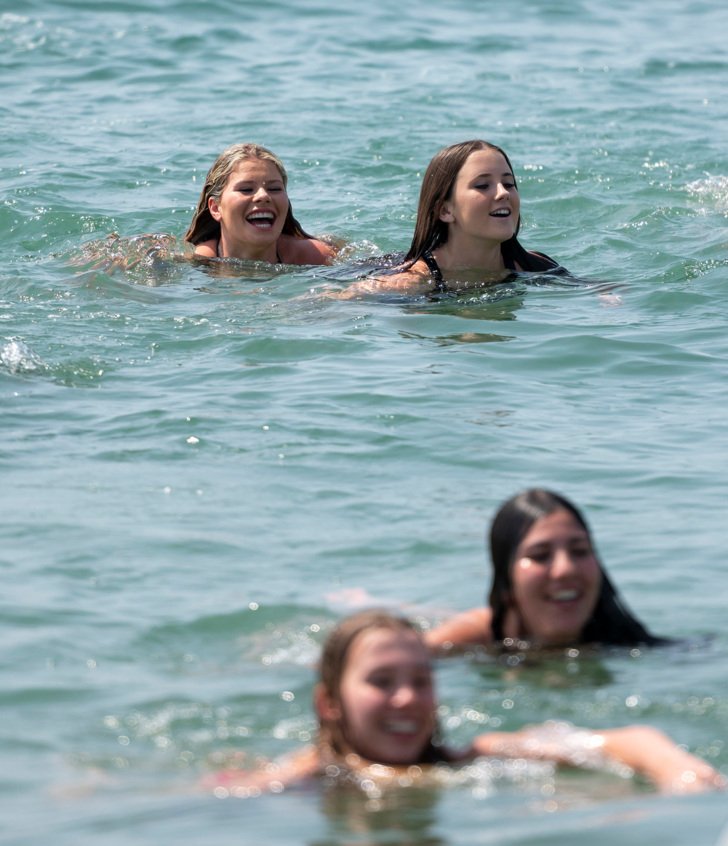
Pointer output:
x,y
376,707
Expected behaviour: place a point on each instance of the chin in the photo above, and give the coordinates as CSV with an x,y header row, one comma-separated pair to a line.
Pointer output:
x,y
568,640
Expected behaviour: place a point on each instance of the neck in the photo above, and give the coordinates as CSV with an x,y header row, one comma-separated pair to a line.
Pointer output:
x,y
250,252
461,253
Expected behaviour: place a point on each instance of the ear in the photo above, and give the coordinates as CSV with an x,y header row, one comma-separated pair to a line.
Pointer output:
x,y
327,709
214,208
446,215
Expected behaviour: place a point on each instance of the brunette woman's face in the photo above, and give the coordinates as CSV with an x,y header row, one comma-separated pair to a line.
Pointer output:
x,y
484,201
555,580
386,697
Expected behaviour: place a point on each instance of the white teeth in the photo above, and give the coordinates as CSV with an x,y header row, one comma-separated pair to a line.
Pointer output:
x,y
264,216
500,213
565,595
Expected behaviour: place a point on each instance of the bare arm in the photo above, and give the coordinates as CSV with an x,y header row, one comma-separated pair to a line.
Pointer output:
x,y
651,753
641,748
471,628
416,281
271,778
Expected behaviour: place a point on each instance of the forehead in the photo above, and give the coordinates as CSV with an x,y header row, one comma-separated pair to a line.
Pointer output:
x,y
556,524
484,161
255,170
386,647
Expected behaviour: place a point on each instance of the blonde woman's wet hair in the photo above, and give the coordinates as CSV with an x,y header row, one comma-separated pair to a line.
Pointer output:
x,y
203,226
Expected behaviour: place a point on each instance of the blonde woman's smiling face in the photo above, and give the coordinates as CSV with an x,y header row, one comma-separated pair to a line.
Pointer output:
x,y
252,208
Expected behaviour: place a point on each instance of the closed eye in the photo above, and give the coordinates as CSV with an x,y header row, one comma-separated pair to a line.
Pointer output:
x,y
383,681
539,554
245,188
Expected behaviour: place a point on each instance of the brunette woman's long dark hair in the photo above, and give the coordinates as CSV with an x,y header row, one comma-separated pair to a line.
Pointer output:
x,y
437,185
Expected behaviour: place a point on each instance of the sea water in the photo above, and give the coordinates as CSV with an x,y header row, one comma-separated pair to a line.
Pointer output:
x,y
201,473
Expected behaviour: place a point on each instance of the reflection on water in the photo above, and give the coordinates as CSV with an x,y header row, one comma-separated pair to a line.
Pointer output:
x,y
556,668
401,816
262,451
461,338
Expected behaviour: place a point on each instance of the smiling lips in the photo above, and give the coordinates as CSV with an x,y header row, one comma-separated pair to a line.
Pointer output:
x,y
565,595
402,727
261,219
501,213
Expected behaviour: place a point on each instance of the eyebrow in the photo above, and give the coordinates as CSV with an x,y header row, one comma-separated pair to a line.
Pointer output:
x,y
245,180
538,544
490,175
419,665
240,184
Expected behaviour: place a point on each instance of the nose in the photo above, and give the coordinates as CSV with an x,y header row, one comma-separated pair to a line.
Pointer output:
x,y
562,564
403,695
261,193
502,191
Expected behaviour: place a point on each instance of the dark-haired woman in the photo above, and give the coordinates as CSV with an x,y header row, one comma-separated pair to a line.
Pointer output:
x,y
548,587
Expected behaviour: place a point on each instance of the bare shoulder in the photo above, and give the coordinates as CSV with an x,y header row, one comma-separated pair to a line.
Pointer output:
x,y
207,248
294,250
471,628
415,281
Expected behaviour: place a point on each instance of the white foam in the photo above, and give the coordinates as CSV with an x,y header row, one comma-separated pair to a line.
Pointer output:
x,y
712,190
17,357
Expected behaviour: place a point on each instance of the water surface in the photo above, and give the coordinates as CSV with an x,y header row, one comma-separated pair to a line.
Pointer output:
x,y
198,468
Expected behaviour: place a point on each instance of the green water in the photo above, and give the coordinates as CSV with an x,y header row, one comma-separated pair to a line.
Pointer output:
x,y
196,469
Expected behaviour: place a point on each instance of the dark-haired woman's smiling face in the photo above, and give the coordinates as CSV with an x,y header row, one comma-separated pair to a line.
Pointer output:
x,y
555,580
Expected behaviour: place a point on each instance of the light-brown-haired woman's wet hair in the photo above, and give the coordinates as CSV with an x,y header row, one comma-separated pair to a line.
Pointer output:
x,y
332,739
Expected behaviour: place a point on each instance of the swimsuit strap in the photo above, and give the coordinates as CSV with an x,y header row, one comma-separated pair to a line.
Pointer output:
x,y
217,252
434,268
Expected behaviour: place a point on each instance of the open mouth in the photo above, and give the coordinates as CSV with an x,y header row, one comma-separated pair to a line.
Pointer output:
x,y
408,727
501,213
565,595
261,219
